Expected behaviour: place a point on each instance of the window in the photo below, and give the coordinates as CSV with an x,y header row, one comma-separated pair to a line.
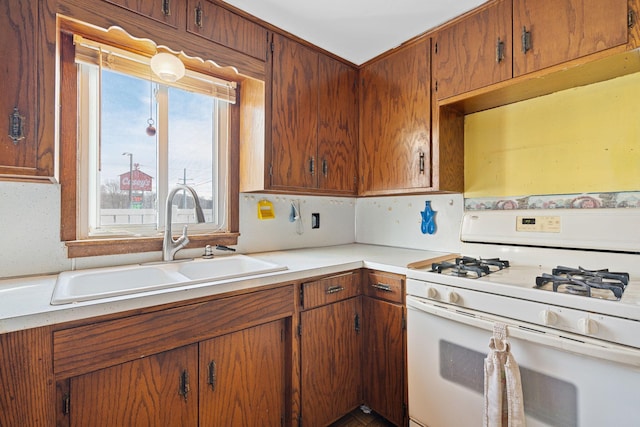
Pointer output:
x,y
137,138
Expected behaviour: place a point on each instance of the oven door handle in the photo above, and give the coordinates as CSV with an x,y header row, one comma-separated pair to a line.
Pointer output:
x,y
565,341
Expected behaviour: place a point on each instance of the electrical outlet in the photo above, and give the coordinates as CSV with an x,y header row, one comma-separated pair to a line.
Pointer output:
x,y
315,220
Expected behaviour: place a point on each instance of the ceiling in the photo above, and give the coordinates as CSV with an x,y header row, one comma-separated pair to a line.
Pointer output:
x,y
355,30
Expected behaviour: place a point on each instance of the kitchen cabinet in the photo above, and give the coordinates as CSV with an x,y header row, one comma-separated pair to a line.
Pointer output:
x,y
576,28
395,127
337,127
473,52
237,378
168,12
206,363
224,27
26,378
330,348
313,121
242,378
384,361
160,389
23,153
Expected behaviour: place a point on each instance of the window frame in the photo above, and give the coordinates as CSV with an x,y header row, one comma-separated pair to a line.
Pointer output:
x,y
68,167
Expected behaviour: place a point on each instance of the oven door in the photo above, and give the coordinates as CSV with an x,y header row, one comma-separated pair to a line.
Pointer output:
x,y
565,381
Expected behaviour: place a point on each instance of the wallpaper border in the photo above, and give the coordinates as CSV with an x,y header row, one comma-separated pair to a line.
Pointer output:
x,y
623,199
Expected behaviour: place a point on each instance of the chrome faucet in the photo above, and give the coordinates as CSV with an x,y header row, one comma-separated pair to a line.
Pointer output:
x,y
169,245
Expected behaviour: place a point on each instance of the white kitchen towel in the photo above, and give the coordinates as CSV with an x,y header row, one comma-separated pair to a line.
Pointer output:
x,y
503,403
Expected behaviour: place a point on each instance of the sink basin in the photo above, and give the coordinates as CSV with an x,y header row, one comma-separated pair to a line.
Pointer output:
x,y
92,284
227,268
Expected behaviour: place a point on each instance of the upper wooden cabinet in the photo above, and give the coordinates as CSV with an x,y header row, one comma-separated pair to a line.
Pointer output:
x,y
313,120
224,27
166,11
337,126
473,52
23,153
395,115
549,32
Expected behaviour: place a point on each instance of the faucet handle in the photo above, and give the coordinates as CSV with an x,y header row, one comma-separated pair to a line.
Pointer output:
x,y
183,240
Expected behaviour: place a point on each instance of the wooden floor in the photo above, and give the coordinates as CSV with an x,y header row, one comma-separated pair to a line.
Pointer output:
x,y
357,418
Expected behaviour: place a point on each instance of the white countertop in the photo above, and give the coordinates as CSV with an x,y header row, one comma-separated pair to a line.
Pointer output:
x,y
25,302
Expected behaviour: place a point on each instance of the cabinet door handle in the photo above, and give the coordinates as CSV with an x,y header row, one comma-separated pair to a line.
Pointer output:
x,y
382,287
211,380
325,167
198,15
185,388
356,323
16,126
334,289
166,7
631,18
312,166
499,51
526,40
421,162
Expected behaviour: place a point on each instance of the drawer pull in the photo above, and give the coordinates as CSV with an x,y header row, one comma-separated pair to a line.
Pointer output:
x,y
334,289
212,375
382,287
16,126
198,15
166,9
185,388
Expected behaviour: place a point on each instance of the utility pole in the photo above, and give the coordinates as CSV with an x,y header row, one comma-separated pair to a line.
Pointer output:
x,y
130,176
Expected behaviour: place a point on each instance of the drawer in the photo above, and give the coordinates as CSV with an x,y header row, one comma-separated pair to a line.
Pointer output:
x,y
329,290
386,286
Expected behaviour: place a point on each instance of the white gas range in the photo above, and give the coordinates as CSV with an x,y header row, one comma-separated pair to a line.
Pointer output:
x,y
572,347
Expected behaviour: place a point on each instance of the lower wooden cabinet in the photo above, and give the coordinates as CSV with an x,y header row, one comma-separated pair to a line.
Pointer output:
x,y
385,343
384,359
158,390
230,361
242,378
330,349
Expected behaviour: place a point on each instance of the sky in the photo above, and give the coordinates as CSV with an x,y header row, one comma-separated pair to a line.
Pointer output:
x,y
125,115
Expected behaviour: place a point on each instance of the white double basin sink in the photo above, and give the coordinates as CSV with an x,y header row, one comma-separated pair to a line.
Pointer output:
x,y
98,283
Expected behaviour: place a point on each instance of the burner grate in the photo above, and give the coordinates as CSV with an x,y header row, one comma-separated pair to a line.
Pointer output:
x,y
580,281
470,267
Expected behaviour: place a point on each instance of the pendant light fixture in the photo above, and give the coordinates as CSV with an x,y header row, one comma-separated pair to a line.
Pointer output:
x,y
167,66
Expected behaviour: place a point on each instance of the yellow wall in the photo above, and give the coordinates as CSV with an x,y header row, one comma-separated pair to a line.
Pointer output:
x,y
580,140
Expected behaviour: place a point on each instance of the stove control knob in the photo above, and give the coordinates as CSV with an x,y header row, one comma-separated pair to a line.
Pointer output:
x,y
452,297
548,317
432,293
587,326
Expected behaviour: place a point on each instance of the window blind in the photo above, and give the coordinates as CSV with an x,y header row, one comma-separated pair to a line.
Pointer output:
x,y
126,62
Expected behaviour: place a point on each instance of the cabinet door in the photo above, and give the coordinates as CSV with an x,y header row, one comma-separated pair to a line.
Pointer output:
x,y
561,30
18,86
170,12
473,52
395,150
243,380
337,126
222,26
294,115
330,360
158,390
384,358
